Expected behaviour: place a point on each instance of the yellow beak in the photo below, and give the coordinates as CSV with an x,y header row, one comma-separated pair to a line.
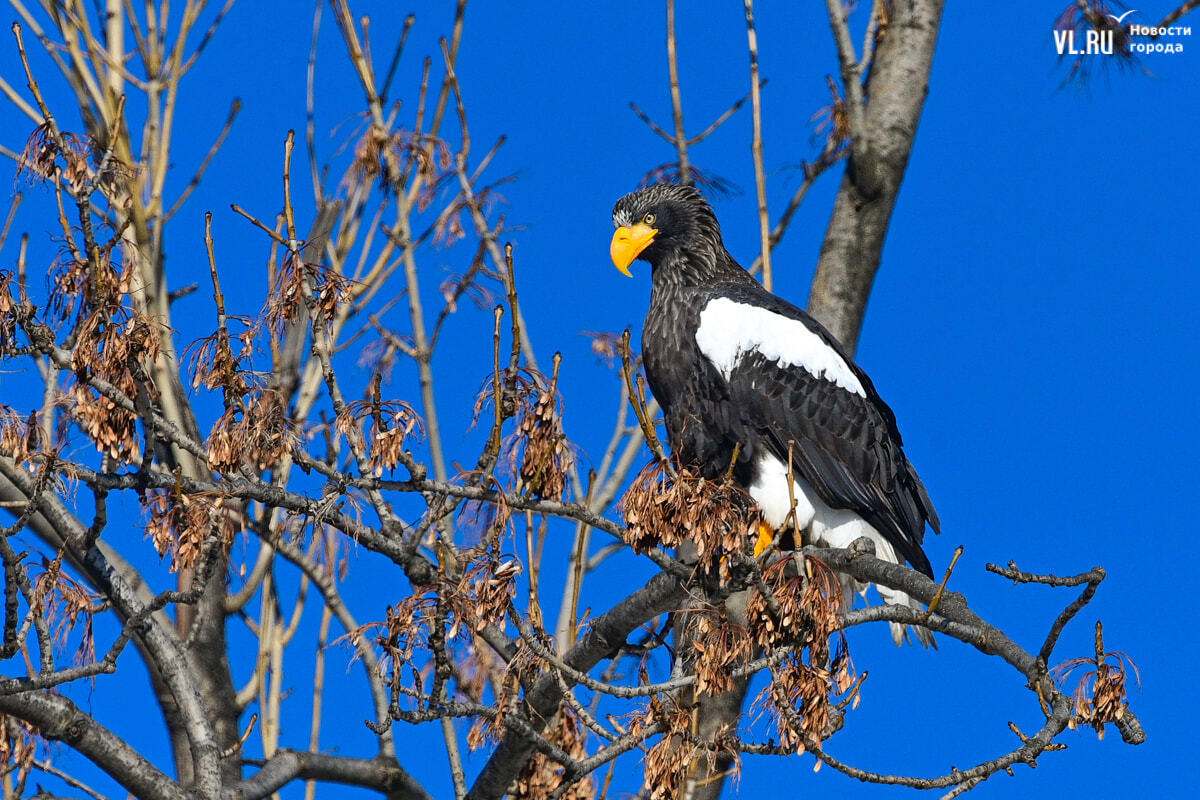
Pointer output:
x,y
628,242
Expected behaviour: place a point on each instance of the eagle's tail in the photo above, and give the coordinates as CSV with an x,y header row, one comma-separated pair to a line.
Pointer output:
x,y
899,631
844,531
892,597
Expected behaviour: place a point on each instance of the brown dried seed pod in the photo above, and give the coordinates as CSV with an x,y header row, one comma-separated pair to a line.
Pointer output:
x,y
542,776
382,427
721,646
661,511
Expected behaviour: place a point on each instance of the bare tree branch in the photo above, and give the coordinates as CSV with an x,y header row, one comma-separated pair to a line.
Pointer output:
x,y
662,594
381,774
59,719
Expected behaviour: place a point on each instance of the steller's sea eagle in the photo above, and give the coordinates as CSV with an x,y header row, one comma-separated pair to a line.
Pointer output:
x,y
738,370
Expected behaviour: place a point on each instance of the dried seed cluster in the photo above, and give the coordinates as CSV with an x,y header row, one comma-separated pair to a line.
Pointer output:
x,y
542,776
667,761
260,436
605,345
677,750
18,748
545,454
329,289
538,453
489,731
487,587
42,151
406,630
117,348
215,365
799,701
90,283
66,603
807,605
381,426
9,309
1100,693
664,511
20,437
806,682
391,157
179,524
720,645
833,121
1105,702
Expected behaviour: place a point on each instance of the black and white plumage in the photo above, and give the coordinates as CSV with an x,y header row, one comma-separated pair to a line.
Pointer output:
x,y
734,366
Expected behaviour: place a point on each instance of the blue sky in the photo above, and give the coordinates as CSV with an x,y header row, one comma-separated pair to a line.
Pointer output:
x,y
1033,324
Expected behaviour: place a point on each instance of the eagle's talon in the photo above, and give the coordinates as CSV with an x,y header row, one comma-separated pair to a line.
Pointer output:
x,y
766,538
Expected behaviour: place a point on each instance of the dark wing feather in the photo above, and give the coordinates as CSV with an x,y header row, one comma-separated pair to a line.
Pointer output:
x,y
845,446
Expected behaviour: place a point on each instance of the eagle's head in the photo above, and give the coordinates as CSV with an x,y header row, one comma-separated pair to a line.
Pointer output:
x,y
662,223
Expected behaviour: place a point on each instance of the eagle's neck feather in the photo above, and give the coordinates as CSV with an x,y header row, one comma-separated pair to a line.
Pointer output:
x,y
697,267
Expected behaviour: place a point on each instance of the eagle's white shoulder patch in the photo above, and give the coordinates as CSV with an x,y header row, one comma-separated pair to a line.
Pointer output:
x,y
728,330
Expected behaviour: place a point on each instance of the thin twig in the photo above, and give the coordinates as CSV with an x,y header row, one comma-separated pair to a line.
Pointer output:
x,y
680,139
756,149
933,604
67,778
860,141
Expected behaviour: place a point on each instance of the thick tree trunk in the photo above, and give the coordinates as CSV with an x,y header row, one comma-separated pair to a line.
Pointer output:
x,y
853,247
716,714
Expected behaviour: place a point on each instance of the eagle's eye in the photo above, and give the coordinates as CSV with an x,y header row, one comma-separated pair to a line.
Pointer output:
x,y
649,218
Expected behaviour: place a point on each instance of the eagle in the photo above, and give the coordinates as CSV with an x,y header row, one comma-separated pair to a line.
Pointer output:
x,y
752,386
